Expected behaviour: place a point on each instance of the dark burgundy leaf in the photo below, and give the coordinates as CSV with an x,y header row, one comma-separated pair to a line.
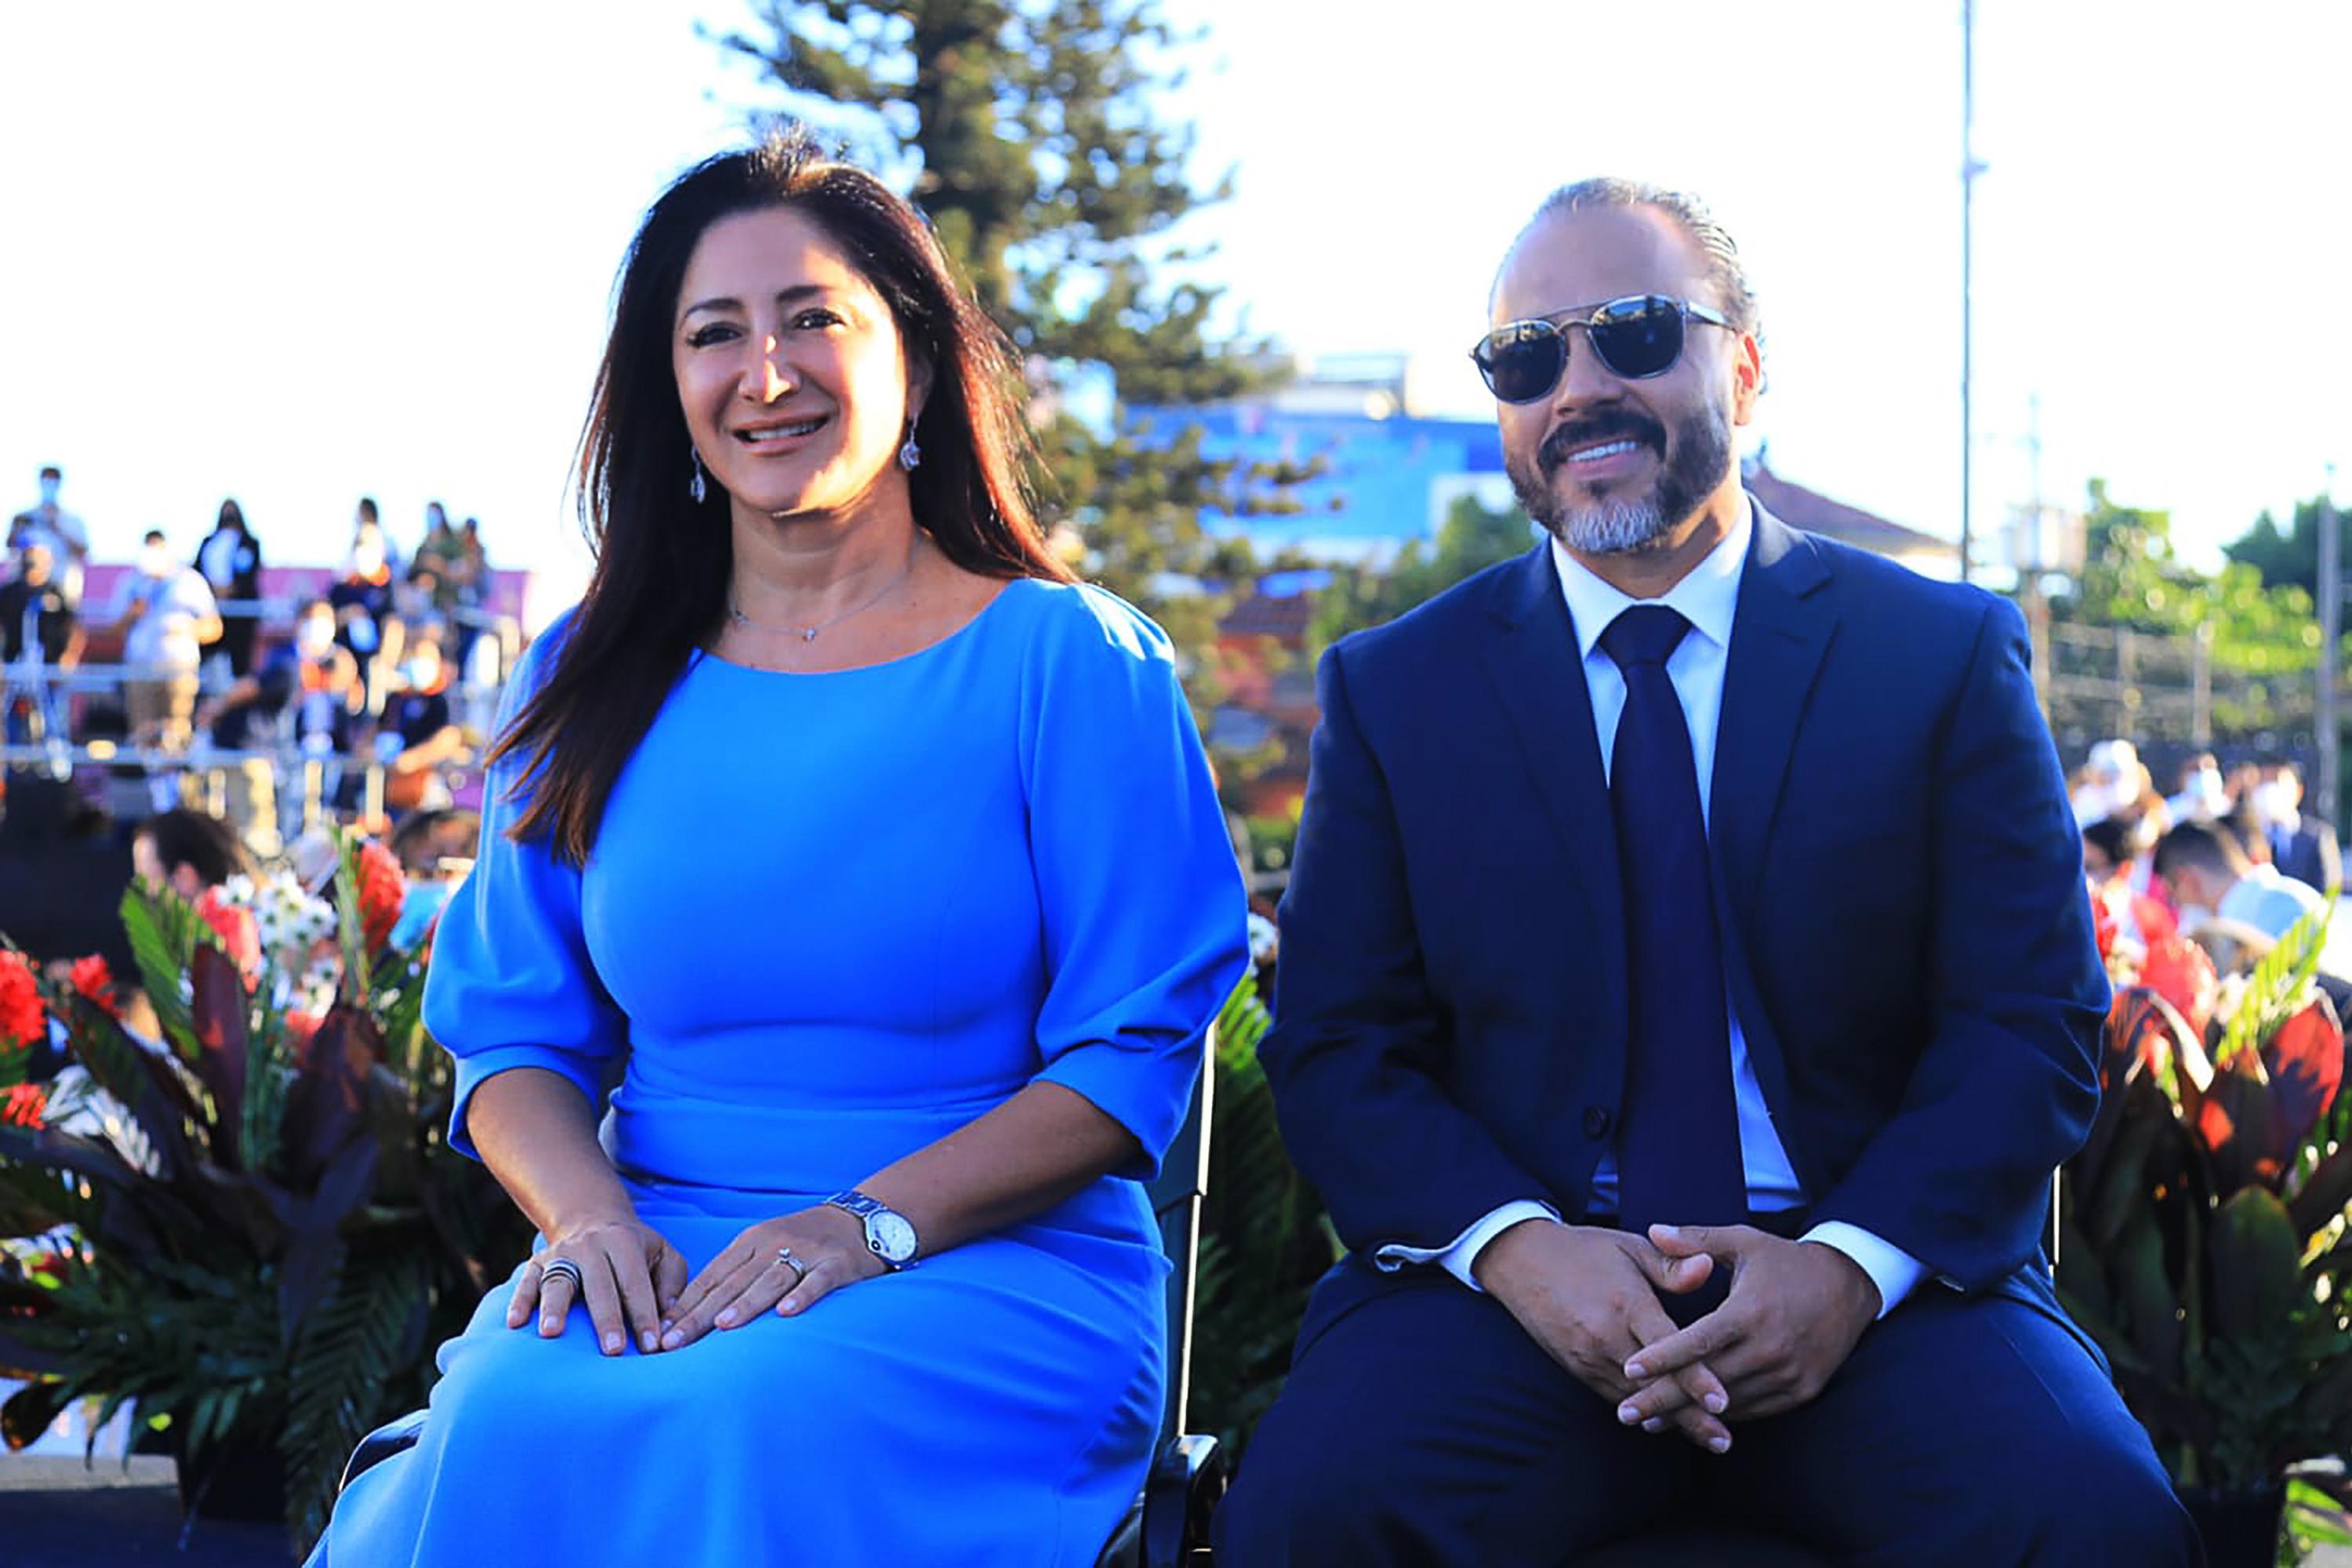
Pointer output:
x,y
217,1007
2304,1057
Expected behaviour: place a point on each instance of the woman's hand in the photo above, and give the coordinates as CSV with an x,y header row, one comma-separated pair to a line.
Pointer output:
x,y
629,1274
788,1263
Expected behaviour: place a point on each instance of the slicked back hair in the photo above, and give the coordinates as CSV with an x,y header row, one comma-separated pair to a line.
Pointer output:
x,y
1726,274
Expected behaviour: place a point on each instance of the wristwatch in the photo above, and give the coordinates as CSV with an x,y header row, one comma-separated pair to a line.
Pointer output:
x,y
889,1236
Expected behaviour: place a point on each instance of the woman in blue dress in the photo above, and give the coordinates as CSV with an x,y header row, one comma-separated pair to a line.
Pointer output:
x,y
875,866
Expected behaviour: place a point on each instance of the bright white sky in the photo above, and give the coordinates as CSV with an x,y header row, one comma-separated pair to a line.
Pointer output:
x,y
300,252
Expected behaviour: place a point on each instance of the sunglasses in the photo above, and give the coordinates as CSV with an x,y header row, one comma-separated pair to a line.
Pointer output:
x,y
1635,338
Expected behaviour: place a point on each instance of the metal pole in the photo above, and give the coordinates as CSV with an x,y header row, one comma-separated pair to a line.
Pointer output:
x,y
1970,169
2329,739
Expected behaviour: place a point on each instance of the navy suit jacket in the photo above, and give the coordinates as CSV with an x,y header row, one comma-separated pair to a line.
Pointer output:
x,y
1908,939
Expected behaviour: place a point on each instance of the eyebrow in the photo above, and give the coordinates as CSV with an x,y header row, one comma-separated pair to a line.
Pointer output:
x,y
792,295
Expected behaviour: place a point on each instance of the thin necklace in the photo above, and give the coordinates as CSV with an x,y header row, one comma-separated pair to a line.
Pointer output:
x,y
808,634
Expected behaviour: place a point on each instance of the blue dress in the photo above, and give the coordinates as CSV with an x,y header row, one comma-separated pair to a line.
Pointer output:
x,y
829,918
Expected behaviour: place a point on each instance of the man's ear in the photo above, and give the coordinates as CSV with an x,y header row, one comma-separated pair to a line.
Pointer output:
x,y
1747,378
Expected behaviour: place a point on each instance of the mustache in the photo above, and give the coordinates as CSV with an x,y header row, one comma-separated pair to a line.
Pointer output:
x,y
1624,425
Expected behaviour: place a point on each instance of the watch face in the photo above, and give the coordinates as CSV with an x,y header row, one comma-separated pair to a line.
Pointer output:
x,y
893,1236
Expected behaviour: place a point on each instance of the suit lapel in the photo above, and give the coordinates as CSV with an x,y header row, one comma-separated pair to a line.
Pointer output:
x,y
1778,640
1533,656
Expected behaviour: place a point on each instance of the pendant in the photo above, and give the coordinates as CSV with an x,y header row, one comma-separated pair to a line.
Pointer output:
x,y
810,634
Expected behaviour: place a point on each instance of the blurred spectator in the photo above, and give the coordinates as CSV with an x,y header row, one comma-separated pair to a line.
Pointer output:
x,y
439,552
2113,783
230,559
306,694
166,614
365,621
2303,848
2203,796
186,851
2209,877
420,734
469,589
434,849
46,522
2111,853
37,628
416,601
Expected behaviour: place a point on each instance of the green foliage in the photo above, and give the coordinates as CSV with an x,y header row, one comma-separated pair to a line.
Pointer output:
x,y
1033,138
1265,1239
1473,538
2290,558
266,1236
2203,1237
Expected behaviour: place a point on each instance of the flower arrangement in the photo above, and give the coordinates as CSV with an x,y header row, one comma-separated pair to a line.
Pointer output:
x,y
252,1226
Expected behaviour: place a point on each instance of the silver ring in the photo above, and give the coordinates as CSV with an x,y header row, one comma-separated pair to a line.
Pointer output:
x,y
564,1267
801,1270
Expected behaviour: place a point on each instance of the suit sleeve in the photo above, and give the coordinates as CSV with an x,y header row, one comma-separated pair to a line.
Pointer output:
x,y
1359,1042
2008,1084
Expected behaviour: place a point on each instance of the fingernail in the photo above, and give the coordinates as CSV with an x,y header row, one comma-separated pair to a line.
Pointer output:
x,y
1715,1404
672,1339
1653,1424
727,1317
1635,1369
1629,1413
1719,1445
645,1342
611,1344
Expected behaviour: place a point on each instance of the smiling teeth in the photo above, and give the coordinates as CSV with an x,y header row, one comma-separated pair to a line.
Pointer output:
x,y
1606,449
780,432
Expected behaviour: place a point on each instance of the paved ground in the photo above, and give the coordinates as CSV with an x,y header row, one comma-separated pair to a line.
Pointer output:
x,y
57,1512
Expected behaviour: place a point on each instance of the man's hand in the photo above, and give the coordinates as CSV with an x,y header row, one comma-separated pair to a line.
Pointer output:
x,y
1589,1295
1795,1312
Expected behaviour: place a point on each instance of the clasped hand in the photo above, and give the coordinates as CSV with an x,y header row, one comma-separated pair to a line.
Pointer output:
x,y
1794,1313
1591,1297
636,1284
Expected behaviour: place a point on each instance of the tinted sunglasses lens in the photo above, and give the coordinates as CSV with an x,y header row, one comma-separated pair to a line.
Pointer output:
x,y
1523,360
1638,339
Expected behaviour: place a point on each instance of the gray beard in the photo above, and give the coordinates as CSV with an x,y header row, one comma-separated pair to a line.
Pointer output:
x,y
1611,528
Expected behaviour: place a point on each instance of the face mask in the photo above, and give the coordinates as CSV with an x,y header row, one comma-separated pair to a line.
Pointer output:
x,y
367,561
423,672
316,637
2276,801
2208,786
154,562
48,492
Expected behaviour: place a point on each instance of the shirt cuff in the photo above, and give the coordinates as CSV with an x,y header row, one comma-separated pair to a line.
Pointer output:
x,y
1458,1258
1895,1271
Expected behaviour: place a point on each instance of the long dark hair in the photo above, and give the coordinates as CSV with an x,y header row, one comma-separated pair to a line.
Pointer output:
x,y
659,589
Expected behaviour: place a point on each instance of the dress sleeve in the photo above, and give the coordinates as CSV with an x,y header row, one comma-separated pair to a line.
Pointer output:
x,y
512,983
1145,915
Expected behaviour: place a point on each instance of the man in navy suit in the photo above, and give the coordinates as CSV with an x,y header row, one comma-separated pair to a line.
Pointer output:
x,y
1691,903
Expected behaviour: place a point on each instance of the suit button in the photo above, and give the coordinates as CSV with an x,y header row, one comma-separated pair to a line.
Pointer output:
x,y
1596,1120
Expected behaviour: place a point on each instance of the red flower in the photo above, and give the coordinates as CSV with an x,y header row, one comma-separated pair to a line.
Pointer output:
x,y
93,981
25,1105
381,890
239,936
22,1021
2182,973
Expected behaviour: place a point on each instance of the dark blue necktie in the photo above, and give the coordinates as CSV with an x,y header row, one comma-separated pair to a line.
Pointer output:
x,y
1678,1158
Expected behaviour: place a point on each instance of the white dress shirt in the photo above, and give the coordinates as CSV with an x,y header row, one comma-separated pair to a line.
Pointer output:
x,y
1708,598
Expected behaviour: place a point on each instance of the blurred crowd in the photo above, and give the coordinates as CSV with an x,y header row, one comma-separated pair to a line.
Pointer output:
x,y
2226,858
188,676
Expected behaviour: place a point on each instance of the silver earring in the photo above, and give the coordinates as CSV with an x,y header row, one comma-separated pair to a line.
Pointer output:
x,y
695,487
909,454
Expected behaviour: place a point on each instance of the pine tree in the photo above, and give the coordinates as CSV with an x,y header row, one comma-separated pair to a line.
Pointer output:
x,y
1030,133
